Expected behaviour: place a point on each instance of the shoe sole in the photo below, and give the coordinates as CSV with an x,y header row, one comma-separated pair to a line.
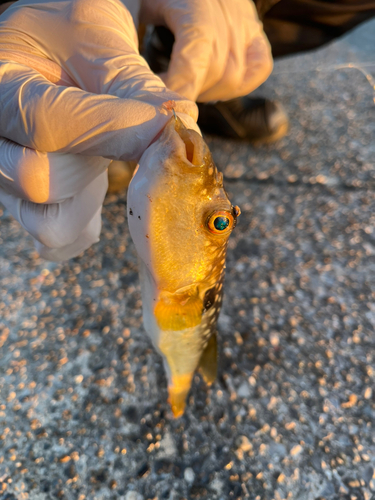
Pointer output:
x,y
241,132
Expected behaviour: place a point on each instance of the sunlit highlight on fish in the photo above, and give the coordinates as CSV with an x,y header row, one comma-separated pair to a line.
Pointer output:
x,y
180,219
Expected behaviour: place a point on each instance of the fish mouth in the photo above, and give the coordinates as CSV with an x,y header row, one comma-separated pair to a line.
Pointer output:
x,y
196,148
192,146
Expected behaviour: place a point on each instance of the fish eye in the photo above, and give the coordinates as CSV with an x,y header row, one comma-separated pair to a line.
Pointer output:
x,y
220,222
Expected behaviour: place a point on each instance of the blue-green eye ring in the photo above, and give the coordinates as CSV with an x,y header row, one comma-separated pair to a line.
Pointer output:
x,y
220,222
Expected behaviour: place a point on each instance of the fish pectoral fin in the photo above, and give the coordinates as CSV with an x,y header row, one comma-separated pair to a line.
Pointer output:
x,y
178,313
208,361
178,391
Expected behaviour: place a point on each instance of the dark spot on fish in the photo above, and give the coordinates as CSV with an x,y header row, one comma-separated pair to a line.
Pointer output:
x,y
149,197
209,298
139,217
130,211
147,236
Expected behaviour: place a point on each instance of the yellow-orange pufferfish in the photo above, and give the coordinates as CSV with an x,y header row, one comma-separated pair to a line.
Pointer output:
x,y
180,219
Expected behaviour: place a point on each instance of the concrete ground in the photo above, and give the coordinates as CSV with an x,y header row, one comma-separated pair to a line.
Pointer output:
x,y
83,412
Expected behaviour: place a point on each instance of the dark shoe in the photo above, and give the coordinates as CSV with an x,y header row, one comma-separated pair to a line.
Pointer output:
x,y
254,119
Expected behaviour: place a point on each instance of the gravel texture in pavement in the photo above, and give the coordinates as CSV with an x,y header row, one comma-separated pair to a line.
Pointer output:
x,y
83,411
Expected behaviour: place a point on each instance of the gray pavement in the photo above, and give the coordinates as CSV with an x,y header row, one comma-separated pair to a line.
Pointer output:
x,y
83,411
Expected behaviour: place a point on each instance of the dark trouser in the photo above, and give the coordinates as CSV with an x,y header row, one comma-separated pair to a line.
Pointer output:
x,y
299,25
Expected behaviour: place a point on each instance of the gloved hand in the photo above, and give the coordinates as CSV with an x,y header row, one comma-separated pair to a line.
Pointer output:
x,y
74,93
220,50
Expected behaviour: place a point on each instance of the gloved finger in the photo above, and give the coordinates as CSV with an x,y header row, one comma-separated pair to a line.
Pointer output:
x,y
47,117
259,65
194,57
95,43
220,50
45,177
249,60
89,235
242,76
58,224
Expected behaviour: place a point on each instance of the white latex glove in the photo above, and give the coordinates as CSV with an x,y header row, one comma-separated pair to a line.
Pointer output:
x,y
72,81
220,50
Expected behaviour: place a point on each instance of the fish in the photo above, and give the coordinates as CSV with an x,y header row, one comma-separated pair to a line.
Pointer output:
x,y
180,219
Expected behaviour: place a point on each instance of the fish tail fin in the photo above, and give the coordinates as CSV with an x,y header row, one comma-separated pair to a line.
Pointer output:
x,y
178,391
208,361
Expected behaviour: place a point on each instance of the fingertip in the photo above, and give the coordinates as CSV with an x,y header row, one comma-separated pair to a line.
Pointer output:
x,y
259,64
187,107
186,83
190,60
